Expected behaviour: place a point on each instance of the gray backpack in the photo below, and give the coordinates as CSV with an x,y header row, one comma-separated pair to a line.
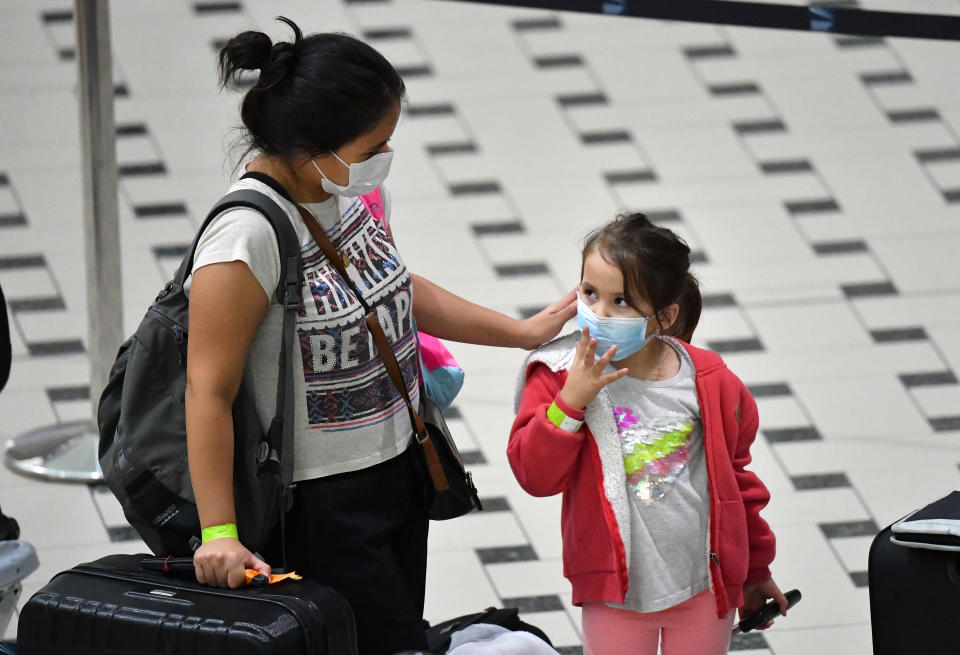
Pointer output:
x,y
142,421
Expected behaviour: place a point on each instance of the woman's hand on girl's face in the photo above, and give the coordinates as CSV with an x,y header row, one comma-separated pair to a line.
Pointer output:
x,y
545,325
585,378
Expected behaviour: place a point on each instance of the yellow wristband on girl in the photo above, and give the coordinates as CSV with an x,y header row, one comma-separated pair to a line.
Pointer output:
x,y
559,418
219,531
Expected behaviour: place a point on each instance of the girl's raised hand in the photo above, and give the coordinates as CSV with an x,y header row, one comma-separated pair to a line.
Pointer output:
x,y
585,378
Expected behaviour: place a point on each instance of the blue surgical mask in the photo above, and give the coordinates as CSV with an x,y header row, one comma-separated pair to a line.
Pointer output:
x,y
629,335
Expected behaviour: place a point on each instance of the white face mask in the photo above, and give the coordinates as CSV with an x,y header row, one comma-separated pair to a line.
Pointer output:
x,y
362,176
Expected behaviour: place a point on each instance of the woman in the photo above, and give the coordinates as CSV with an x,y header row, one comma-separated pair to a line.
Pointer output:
x,y
319,120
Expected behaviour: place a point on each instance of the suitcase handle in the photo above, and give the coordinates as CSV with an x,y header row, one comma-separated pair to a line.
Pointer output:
x,y
766,613
185,565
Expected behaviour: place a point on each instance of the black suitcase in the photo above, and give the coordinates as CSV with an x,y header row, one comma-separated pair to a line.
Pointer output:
x,y
112,607
914,599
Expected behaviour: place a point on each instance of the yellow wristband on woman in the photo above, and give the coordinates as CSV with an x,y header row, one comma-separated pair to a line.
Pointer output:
x,y
219,531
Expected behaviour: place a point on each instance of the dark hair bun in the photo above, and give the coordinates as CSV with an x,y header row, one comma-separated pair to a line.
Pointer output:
x,y
246,51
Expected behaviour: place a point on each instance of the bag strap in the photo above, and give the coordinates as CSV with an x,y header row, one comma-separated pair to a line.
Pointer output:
x,y
276,451
383,347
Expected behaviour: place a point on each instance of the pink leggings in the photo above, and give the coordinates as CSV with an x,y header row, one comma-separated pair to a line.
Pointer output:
x,y
690,628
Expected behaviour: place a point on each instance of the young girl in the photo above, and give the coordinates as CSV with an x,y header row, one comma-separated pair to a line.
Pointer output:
x,y
662,536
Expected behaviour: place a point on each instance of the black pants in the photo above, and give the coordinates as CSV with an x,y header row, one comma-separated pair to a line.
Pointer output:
x,y
364,533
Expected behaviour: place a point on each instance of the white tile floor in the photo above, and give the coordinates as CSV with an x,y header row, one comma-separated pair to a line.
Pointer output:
x,y
828,225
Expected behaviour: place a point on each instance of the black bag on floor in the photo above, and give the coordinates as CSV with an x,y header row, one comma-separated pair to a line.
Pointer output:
x,y
112,607
914,599
439,635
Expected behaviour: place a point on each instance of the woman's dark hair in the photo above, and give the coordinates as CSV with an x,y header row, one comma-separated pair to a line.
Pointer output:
x,y
313,95
655,265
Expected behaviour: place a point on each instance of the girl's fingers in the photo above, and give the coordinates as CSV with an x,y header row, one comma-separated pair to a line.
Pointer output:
x,y
607,358
613,377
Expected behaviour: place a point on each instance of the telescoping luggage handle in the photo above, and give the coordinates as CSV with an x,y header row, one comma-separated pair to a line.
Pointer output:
x,y
437,475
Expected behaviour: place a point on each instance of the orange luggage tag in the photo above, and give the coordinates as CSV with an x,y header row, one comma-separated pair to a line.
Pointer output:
x,y
258,579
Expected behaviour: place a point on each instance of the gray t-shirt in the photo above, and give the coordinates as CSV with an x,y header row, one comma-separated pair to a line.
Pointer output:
x,y
348,415
661,436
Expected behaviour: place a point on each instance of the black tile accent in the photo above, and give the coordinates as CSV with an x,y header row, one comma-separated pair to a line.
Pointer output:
x,y
516,270
451,148
57,16
506,554
160,209
11,220
607,136
502,227
535,603
843,529
569,650
176,250
62,394
723,346
442,109
471,188
786,166
495,504
22,261
944,423
216,7
796,207
582,99
4,180
719,300
869,289
558,61
36,304
937,154
132,129
67,53
528,24
735,89
820,481
840,247
771,390
698,257
121,90
859,41
452,413
886,77
913,115
527,312
911,380
661,216
709,51
122,533
130,170
386,33
860,578
627,177
784,435
898,334
357,2
471,457
749,641
65,347
760,126
417,70
952,195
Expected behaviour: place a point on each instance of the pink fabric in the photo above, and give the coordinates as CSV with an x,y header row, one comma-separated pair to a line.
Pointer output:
x,y
374,204
434,353
690,628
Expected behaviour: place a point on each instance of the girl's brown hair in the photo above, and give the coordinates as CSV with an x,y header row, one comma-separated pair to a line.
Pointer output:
x,y
655,265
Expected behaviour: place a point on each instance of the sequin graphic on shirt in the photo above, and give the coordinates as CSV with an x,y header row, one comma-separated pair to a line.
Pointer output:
x,y
655,454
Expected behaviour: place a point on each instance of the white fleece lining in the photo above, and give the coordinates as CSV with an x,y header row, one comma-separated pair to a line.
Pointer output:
x,y
558,355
